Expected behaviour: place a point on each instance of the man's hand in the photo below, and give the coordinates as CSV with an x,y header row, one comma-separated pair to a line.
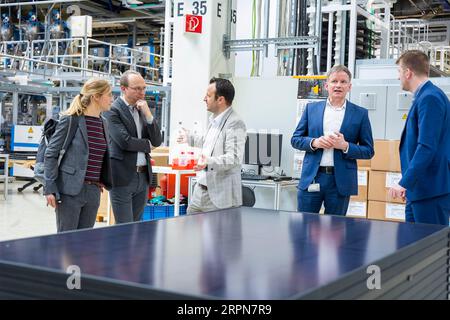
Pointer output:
x,y
201,164
142,106
339,141
182,136
51,200
397,192
322,143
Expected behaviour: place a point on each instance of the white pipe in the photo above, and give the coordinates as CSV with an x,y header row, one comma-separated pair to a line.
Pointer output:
x,y
352,37
318,33
311,32
338,38
167,41
330,39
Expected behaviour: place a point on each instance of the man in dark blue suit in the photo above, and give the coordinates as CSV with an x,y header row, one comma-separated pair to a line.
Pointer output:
x,y
334,133
424,145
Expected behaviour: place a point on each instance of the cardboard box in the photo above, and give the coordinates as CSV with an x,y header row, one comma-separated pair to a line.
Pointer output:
x,y
161,149
103,208
357,209
363,179
161,160
379,185
363,163
387,156
386,211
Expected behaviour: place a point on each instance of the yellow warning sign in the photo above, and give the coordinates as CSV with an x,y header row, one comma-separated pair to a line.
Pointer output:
x,y
315,89
404,116
30,130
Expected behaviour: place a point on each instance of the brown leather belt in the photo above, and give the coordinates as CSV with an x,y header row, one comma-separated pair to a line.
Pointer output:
x,y
141,169
96,183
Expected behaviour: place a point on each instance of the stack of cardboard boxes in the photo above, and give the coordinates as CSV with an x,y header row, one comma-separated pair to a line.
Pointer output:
x,y
375,177
385,173
358,204
161,157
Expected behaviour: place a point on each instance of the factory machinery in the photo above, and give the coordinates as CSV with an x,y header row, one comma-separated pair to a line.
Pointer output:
x,y
47,51
343,31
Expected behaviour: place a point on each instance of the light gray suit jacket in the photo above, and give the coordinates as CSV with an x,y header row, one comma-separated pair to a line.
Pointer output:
x,y
223,173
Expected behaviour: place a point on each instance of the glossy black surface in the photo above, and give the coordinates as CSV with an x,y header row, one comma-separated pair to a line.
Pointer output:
x,y
242,253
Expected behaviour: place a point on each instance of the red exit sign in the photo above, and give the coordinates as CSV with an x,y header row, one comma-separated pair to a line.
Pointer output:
x,y
193,23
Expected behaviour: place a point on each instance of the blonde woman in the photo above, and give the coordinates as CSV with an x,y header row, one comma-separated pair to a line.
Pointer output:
x,y
75,177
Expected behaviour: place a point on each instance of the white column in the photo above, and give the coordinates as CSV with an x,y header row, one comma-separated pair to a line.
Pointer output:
x,y
197,58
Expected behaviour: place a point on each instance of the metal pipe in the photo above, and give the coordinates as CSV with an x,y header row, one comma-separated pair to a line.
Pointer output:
x,y
292,32
50,63
266,27
228,30
278,15
318,32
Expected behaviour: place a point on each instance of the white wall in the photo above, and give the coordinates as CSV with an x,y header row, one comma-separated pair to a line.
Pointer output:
x,y
196,58
270,104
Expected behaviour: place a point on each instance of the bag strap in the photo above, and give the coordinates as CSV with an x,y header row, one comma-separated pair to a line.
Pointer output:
x,y
69,137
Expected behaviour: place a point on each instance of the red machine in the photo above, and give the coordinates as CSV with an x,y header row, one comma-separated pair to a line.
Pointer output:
x,y
168,185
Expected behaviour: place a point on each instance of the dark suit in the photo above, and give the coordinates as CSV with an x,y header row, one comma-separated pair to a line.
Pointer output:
x,y
357,132
130,188
79,201
425,157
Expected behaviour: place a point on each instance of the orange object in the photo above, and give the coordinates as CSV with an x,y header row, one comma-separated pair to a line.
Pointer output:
x,y
184,185
163,185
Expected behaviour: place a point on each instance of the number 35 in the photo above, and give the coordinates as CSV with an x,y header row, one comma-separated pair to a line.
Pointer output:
x,y
199,7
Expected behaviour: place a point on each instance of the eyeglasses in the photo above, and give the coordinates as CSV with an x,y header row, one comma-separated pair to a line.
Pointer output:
x,y
138,88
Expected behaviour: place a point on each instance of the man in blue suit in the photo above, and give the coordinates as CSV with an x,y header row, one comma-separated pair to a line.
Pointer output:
x,y
334,133
424,145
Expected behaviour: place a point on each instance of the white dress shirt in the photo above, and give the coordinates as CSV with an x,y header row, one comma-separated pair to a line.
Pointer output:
x,y
332,122
208,143
141,160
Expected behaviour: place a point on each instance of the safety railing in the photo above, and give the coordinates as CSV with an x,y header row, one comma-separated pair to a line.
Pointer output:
x,y
87,56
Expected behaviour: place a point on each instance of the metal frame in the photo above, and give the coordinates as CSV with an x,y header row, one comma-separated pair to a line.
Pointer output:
x,y
51,62
259,44
262,44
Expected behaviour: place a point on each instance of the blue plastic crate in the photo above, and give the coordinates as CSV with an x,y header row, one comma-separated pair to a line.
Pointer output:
x,y
159,212
148,213
171,208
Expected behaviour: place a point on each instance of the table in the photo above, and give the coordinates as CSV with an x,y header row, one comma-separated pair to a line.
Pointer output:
x,y
277,186
240,253
177,173
158,169
5,159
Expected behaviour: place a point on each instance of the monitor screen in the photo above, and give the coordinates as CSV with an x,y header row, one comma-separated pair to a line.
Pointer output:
x,y
263,149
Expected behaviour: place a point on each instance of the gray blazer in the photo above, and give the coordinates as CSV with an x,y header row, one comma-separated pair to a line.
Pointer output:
x,y
69,177
223,173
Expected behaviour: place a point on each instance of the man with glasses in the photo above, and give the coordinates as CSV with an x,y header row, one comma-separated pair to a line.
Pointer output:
x,y
133,133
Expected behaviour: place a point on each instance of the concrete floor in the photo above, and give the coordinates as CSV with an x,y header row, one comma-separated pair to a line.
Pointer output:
x,y
25,214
